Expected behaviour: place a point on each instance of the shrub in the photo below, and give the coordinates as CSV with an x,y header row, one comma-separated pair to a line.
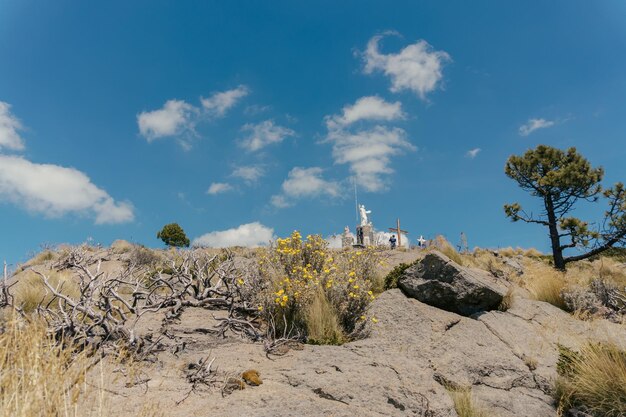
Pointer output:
x,y
593,380
318,293
173,235
581,300
141,256
391,280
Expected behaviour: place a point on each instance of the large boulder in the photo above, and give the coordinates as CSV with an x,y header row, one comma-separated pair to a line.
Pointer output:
x,y
440,282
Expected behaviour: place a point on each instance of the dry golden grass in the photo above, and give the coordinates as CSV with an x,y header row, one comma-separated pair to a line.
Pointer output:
x,y
322,322
595,378
464,403
39,377
39,259
442,245
545,283
507,300
30,290
121,246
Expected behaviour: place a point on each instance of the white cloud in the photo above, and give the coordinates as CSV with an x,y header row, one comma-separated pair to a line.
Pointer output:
x,y
219,103
175,118
304,183
280,201
368,153
263,134
53,191
219,187
335,241
533,124
472,153
417,67
9,125
249,174
366,108
249,235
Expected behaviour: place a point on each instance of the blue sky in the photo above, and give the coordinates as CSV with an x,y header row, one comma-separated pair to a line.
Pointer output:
x,y
253,118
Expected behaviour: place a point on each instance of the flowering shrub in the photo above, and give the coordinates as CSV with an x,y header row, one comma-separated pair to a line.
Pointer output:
x,y
321,294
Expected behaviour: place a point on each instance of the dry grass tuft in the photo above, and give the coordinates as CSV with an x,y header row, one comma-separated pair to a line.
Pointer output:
x,y
440,243
121,246
322,322
593,380
39,259
545,283
38,376
507,300
31,292
464,403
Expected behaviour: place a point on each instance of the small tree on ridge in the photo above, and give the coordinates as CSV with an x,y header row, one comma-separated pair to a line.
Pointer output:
x,y
173,235
560,179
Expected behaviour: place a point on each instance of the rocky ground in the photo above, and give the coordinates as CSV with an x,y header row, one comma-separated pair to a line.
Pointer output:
x,y
413,355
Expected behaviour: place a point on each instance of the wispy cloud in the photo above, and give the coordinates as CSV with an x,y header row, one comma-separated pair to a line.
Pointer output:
x,y
177,118
472,153
219,188
263,134
417,67
219,103
368,151
304,183
534,124
248,235
54,191
9,127
366,108
250,173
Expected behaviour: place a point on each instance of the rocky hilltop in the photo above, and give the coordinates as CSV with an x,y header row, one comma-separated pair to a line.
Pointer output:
x,y
446,329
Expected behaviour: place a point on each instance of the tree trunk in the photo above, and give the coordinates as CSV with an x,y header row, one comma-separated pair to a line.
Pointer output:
x,y
555,241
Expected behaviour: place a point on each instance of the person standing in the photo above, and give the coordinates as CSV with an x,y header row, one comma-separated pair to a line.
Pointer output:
x,y
392,241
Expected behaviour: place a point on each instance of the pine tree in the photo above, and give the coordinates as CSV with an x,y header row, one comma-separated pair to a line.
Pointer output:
x,y
560,179
173,235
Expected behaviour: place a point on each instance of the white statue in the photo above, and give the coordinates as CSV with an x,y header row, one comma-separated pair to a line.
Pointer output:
x,y
346,231
364,214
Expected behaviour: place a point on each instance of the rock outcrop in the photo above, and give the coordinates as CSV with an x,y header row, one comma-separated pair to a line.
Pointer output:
x,y
440,282
414,353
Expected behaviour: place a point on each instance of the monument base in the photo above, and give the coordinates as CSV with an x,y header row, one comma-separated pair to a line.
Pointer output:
x,y
365,235
347,242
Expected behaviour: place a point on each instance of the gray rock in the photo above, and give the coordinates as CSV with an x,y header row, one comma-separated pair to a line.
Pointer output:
x,y
515,265
440,282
